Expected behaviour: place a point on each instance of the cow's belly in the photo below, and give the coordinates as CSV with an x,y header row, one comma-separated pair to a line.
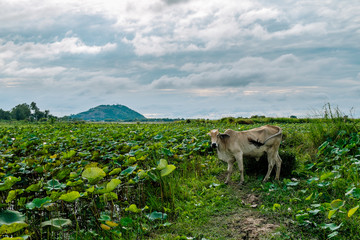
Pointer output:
x,y
225,156
256,153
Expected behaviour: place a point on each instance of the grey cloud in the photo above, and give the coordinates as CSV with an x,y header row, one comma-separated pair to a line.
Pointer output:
x,y
170,2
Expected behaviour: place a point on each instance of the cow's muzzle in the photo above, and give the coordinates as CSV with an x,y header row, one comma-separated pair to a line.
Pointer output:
x,y
214,145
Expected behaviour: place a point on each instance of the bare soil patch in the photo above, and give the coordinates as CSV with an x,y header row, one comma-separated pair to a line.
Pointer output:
x,y
246,222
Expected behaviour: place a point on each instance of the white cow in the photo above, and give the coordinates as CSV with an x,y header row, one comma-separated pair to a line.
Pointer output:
x,y
232,146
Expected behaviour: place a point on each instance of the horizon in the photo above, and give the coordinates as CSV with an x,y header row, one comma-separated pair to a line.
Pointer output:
x,y
181,58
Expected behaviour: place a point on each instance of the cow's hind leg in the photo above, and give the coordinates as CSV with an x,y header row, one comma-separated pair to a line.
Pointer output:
x,y
278,166
229,170
271,156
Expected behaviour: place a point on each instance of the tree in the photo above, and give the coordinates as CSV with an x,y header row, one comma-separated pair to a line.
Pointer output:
x,y
5,115
21,112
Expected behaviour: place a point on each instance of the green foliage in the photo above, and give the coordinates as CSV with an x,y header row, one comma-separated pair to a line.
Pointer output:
x,y
127,181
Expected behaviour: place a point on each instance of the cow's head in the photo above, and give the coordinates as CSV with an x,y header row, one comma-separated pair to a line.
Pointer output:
x,y
217,137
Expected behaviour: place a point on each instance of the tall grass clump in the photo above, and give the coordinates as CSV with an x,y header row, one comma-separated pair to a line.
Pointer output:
x,y
330,121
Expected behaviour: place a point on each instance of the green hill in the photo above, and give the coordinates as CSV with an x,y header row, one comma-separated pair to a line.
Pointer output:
x,y
109,113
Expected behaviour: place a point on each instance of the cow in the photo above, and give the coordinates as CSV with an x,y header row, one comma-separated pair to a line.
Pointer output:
x,y
232,146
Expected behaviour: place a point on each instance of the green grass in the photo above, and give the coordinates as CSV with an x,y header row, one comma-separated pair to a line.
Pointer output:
x,y
318,189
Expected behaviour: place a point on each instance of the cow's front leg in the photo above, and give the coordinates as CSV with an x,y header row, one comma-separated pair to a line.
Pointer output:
x,y
239,160
229,170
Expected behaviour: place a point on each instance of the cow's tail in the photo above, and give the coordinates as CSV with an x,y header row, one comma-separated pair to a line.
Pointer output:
x,y
272,136
259,144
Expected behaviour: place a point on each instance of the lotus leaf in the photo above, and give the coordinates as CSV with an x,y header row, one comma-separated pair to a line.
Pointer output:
x,y
115,171
93,174
105,227
167,170
54,185
133,208
109,196
104,217
157,216
128,171
162,164
353,210
112,184
336,204
63,173
57,223
9,182
70,197
111,224
11,221
11,196
34,187
38,203
76,183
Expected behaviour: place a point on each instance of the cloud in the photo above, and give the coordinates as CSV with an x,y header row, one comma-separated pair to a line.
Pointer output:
x,y
180,58
245,71
31,50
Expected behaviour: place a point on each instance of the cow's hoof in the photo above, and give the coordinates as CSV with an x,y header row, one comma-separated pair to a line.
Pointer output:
x,y
226,182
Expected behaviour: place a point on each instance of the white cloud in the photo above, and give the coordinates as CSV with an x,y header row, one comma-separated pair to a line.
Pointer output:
x,y
31,50
182,58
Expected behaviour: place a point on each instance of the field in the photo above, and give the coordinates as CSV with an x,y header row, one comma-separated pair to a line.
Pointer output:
x,y
163,181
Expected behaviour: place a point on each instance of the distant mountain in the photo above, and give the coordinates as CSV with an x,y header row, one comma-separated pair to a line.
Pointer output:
x,y
109,113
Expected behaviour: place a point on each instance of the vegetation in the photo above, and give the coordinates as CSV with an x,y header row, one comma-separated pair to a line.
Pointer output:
x,y
109,113
163,181
25,112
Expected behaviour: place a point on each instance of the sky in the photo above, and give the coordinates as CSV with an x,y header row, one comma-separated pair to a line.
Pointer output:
x,y
181,58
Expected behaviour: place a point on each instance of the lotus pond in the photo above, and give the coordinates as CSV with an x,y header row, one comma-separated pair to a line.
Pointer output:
x,y
127,181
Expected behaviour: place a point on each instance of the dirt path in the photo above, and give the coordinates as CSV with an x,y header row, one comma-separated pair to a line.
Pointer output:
x,y
246,221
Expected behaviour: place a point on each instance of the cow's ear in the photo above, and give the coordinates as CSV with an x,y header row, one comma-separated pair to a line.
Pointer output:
x,y
209,134
224,136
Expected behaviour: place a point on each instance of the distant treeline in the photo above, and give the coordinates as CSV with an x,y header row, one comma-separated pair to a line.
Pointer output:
x,y
26,112
271,120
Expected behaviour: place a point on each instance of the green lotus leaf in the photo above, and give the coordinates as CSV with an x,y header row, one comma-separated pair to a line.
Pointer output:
x,y
11,196
73,184
133,208
336,204
9,182
54,185
109,196
115,171
167,170
11,221
38,203
91,189
16,238
70,197
129,170
93,174
112,184
104,217
157,216
34,187
63,173
162,164
57,223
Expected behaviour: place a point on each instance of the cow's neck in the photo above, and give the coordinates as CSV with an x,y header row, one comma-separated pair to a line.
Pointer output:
x,y
221,147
